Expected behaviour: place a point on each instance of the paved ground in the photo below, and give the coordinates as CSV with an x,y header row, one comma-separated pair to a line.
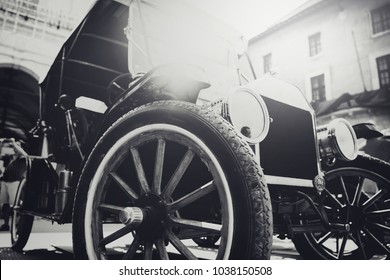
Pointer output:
x,y
53,242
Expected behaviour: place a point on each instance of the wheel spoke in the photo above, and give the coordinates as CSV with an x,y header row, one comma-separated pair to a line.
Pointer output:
x,y
161,249
353,239
377,241
148,251
340,254
358,192
132,249
373,199
158,168
335,200
347,200
176,242
179,172
325,237
110,208
202,226
386,228
378,212
116,235
360,245
337,244
140,171
124,186
191,197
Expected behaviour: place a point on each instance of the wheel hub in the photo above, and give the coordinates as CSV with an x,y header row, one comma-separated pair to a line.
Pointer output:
x,y
148,215
356,218
131,216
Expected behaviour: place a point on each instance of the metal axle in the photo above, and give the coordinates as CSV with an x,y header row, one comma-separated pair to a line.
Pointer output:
x,y
131,216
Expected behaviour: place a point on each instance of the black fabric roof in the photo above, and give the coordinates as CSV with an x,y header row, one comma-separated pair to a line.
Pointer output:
x,y
94,55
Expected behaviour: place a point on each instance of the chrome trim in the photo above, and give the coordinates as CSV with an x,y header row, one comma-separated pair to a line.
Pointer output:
x,y
316,141
257,153
287,181
329,145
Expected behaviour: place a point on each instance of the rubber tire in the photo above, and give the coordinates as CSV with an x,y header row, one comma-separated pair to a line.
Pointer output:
x,y
382,168
252,234
24,225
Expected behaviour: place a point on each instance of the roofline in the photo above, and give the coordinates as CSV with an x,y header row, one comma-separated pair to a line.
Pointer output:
x,y
305,9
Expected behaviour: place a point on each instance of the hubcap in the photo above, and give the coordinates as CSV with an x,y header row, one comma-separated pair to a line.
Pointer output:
x,y
356,220
131,216
154,212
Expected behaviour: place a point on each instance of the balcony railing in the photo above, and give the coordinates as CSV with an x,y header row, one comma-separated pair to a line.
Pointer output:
x,y
30,19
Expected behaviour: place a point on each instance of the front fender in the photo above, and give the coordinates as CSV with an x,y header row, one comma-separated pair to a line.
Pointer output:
x,y
367,131
168,82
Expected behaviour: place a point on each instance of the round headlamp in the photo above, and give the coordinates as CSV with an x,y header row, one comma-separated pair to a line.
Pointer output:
x,y
338,139
248,114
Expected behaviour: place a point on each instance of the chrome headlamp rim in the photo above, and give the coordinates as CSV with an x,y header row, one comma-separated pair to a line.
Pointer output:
x,y
263,108
332,134
330,146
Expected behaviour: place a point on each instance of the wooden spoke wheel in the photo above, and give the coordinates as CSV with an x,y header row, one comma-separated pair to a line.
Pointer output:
x,y
357,195
153,181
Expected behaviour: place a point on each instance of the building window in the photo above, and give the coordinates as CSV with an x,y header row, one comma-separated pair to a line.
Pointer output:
x,y
267,62
383,64
380,19
318,88
315,44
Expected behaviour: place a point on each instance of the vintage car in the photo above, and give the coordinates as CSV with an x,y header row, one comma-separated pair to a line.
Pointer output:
x,y
155,141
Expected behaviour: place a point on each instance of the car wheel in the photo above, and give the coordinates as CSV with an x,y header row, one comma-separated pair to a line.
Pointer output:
x,y
357,195
152,180
21,224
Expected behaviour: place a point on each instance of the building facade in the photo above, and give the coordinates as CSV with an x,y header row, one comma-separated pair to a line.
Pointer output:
x,y
32,31
328,47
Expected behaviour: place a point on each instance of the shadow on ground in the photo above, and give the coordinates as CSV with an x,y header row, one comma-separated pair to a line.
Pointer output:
x,y
37,254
